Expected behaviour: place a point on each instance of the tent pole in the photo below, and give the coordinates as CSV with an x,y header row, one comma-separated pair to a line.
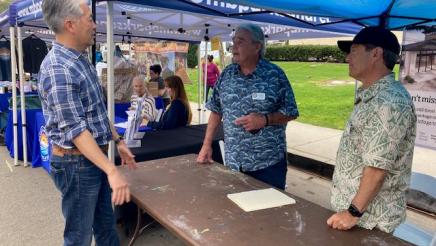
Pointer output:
x,y
199,81
110,72
94,45
205,81
22,96
14,93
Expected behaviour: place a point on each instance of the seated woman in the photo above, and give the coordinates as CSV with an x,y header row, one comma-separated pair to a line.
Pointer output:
x,y
178,112
149,111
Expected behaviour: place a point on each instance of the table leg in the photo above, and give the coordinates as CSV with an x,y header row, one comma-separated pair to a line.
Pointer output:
x,y
139,227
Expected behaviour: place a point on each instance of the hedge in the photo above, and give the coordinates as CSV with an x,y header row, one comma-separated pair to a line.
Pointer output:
x,y
319,53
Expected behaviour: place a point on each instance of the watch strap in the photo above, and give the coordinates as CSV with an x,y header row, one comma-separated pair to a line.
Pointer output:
x,y
118,140
354,211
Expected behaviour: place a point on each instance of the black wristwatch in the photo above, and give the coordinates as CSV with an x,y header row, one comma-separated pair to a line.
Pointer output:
x,y
354,211
118,140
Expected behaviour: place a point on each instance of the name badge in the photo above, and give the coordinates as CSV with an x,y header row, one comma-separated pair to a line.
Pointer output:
x,y
258,96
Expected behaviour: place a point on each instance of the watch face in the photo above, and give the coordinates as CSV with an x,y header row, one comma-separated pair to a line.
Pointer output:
x,y
354,212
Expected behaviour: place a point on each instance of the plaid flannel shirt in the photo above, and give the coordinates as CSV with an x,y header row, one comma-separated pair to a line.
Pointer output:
x,y
72,98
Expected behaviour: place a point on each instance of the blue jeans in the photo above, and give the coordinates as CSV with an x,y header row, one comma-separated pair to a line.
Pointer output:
x,y
274,175
86,201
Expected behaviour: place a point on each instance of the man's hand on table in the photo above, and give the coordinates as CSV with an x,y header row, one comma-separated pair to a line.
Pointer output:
x,y
205,155
342,221
119,186
127,158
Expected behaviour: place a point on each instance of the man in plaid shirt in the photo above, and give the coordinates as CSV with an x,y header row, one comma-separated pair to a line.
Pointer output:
x,y
79,129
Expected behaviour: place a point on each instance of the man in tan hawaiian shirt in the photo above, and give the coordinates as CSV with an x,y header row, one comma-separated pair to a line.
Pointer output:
x,y
373,164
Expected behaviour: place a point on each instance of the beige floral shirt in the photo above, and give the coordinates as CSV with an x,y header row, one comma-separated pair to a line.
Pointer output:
x,y
380,133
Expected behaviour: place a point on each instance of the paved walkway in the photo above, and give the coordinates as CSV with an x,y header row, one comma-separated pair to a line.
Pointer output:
x,y
321,144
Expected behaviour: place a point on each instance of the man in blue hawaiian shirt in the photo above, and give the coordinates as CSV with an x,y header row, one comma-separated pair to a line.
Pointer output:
x,y
255,101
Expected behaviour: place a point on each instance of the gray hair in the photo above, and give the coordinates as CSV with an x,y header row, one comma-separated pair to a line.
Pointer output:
x,y
257,35
389,57
56,11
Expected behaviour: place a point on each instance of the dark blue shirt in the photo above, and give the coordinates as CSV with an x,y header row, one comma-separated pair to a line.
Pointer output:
x,y
175,116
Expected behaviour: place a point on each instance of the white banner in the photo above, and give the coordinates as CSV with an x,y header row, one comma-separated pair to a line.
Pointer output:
x,y
418,75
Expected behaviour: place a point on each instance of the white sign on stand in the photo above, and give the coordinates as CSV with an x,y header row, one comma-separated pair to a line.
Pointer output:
x,y
132,135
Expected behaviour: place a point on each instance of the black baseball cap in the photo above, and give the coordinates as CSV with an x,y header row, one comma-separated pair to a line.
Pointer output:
x,y
374,35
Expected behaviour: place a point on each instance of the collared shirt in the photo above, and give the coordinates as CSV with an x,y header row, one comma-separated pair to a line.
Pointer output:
x,y
72,98
380,133
266,90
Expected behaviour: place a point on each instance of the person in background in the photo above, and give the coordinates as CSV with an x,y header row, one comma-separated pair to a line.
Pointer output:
x,y
78,127
255,100
149,111
178,112
155,71
374,159
212,74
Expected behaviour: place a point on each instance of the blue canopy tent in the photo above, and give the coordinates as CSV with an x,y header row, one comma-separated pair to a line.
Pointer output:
x,y
392,14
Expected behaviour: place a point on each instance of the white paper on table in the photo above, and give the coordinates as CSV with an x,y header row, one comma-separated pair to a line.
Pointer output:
x,y
133,143
121,124
260,199
138,135
130,112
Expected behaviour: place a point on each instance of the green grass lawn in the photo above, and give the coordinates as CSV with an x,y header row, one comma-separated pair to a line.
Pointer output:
x,y
320,102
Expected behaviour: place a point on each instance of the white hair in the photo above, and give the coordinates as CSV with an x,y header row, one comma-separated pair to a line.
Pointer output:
x,y
56,11
142,78
257,35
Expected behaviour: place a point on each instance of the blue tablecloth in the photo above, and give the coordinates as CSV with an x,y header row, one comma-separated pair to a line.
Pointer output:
x,y
35,120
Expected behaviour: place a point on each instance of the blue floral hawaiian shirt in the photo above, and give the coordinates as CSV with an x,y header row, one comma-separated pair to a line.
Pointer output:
x,y
266,90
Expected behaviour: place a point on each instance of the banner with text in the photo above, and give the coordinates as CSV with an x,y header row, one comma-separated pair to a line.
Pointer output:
x,y
418,75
